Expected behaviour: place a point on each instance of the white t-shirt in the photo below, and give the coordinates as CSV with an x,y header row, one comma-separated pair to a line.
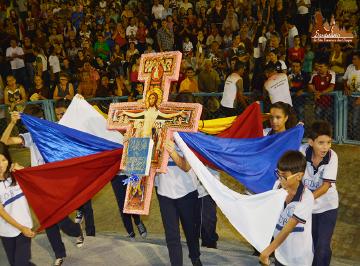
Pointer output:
x,y
157,11
230,90
297,249
16,205
278,88
43,61
313,179
131,30
16,63
175,183
302,10
352,76
36,158
54,63
292,33
186,6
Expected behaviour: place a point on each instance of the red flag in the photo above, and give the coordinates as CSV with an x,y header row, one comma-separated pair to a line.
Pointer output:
x,y
247,125
56,189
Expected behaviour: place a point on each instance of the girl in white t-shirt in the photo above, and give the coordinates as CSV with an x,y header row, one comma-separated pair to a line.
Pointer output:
x,y
15,217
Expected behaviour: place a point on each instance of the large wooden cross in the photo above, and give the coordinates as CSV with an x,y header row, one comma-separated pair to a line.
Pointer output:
x,y
153,117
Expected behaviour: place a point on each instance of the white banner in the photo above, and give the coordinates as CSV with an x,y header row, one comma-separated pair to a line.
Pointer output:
x,y
82,116
254,217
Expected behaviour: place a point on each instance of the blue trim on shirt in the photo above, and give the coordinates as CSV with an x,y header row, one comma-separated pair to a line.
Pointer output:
x,y
295,230
13,199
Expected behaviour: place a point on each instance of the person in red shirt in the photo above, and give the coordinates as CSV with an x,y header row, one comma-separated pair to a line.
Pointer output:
x,y
296,53
320,84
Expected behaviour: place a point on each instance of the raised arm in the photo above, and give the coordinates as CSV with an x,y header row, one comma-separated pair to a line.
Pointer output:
x,y
5,138
133,115
180,161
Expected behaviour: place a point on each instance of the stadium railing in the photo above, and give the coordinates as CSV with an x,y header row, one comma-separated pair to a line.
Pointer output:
x,y
340,111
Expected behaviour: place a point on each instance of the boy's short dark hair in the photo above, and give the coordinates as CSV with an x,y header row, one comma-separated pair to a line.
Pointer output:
x,y
189,68
320,128
292,161
62,103
297,61
34,110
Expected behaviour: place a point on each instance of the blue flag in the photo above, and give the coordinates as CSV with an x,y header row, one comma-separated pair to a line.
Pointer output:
x,y
56,142
251,161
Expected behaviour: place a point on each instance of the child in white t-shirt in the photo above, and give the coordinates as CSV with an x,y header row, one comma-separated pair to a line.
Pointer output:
x,y
320,178
15,216
292,236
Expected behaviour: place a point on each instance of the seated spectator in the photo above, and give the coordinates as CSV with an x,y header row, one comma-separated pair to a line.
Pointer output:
x,y
298,84
187,45
337,60
214,36
94,75
131,51
87,88
64,89
320,84
101,48
105,89
208,78
296,53
189,84
272,59
39,91
14,94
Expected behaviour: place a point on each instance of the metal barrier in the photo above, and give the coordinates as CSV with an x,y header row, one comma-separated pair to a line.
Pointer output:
x,y
350,115
340,111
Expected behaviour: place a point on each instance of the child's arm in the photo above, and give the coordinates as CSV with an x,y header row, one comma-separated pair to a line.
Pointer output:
x,y
26,231
322,190
180,161
279,239
5,138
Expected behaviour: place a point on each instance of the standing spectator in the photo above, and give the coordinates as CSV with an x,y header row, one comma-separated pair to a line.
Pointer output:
x,y
208,80
141,35
308,59
77,17
322,83
233,91
157,10
15,55
167,11
54,64
303,16
272,59
165,37
217,13
292,32
277,85
352,84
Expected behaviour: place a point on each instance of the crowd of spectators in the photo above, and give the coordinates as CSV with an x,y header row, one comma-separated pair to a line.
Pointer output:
x,y
54,49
